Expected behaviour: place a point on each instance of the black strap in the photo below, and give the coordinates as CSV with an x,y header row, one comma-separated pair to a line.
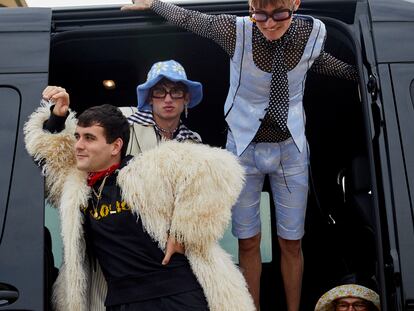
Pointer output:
x,y
240,73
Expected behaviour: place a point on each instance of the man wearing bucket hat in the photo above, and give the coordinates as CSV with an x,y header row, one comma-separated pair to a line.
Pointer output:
x,y
349,297
162,99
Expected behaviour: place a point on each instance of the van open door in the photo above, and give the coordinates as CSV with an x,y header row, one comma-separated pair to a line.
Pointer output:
x,y
24,62
389,81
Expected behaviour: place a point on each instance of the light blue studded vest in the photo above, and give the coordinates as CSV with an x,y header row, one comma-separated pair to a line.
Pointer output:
x,y
249,91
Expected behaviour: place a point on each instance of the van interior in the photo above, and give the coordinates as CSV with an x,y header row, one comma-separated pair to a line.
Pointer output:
x,y
90,46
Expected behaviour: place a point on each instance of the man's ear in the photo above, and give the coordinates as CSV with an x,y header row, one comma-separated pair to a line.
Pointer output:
x,y
117,146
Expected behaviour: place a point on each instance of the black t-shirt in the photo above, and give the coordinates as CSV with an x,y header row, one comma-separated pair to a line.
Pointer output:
x,y
129,258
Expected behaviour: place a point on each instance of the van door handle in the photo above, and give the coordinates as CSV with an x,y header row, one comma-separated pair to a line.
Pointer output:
x,y
8,296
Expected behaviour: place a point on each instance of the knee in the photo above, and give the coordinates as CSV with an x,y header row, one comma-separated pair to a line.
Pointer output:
x,y
290,247
250,245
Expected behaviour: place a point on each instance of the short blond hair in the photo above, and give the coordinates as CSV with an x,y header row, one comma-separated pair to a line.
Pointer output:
x,y
264,3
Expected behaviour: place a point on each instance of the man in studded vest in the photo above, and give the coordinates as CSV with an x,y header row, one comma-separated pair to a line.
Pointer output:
x,y
271,51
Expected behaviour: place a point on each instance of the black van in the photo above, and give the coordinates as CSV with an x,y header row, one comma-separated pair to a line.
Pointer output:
x,y
360,218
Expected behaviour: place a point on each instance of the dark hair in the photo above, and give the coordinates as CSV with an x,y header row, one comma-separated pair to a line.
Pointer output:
x,y
165,81
114,123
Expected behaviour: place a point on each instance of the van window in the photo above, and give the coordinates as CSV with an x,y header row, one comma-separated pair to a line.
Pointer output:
x,y
230,244
9,113
52,222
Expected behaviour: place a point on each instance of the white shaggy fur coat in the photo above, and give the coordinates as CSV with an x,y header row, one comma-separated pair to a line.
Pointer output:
x,y
182,188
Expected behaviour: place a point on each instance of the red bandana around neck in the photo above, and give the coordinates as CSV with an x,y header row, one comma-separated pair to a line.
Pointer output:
x,y
95,176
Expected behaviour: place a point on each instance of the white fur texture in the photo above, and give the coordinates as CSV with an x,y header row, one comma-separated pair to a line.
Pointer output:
x,y
187,190
54,151
67,189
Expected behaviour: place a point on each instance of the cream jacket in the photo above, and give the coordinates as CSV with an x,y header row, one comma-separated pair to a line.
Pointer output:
x,y
143,137
185,189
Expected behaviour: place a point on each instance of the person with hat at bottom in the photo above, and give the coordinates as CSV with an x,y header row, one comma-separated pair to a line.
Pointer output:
x,y
123,218
349,297
162,99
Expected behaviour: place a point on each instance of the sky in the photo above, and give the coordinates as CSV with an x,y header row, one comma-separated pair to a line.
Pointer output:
x,y
60,3
56,3
63,3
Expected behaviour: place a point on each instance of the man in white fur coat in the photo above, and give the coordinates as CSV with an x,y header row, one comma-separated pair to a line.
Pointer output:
x,y
118,213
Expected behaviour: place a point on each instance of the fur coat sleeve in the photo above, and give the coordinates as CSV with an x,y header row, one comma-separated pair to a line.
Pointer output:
x,y
184,189
54,152
67,190
187,190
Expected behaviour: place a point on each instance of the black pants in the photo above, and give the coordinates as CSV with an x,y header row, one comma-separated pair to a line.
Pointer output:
x,y
189,301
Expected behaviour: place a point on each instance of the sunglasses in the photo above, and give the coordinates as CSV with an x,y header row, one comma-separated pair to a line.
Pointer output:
x,y
345,306
258,16
160,92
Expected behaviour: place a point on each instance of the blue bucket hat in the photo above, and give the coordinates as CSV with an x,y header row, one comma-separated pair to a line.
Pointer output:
x,y
174,72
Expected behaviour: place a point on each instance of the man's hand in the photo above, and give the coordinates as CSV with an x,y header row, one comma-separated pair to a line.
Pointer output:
x,y
60,97
172,247
138,5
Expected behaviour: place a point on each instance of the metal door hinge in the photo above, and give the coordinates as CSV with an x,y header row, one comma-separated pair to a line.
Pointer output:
x,y
372,87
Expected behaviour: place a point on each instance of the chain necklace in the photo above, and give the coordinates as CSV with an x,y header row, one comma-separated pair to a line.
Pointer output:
x,y
98,196
166,131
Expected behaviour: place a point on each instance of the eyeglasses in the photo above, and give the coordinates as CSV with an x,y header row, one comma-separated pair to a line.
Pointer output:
x,y
160,92
276,15
344,306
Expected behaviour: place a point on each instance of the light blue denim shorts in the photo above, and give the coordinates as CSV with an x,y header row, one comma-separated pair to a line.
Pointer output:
x,y
287,168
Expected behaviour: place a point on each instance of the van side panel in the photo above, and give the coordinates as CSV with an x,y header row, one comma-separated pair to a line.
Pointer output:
x,y
397,194
403,85
24,34
24,61
9,116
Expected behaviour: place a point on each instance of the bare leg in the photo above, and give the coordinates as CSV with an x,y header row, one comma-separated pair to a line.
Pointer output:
x,y
251,265
292,270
